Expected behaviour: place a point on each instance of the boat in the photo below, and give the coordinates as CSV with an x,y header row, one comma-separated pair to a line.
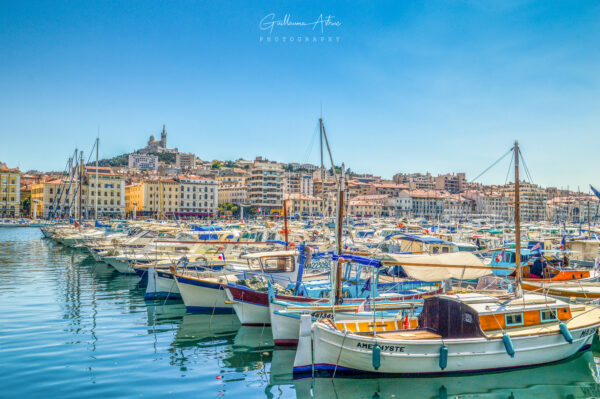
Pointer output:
x,y
461,333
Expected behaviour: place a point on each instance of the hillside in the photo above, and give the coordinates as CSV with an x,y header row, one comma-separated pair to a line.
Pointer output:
x,y
123,159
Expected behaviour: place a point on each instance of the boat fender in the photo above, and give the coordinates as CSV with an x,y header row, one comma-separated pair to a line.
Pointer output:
x,y
508,345
376,356
443,392
565,332
443,356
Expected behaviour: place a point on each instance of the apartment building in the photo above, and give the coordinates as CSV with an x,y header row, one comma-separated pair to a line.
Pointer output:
x,y
10,192
265,189
143,161
198,197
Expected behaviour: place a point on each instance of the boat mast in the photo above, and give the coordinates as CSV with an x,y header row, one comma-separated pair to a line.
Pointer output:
x,y
285,226
338,237
97,188
518,271
80,182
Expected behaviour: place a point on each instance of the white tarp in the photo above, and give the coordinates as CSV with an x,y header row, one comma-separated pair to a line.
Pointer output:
x,y
458,265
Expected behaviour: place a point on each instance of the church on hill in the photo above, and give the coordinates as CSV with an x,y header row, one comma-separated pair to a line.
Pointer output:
x,y
158,146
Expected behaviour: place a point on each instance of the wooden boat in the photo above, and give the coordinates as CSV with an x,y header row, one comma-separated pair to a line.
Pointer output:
x,y
464,333
564,289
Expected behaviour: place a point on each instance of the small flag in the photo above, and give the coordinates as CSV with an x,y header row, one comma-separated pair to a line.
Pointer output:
x,y
367,286
364,306
222,256
563,245
406,323
498,257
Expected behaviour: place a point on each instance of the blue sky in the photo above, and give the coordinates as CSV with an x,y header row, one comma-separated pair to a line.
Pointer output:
x,y
432,86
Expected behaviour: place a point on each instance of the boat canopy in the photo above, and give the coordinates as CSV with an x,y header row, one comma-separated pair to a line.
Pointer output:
x,y
458,265
425,239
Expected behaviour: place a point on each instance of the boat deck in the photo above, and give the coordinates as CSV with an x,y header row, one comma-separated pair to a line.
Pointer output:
x,y
409,334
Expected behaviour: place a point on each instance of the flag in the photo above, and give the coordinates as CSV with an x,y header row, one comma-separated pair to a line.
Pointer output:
x,y
367,286
563,245
76,223
498,257
222,256
406,322
537,248
364,306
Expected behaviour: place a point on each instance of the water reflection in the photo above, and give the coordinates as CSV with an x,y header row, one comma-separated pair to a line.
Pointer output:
x,y
573,379
119,343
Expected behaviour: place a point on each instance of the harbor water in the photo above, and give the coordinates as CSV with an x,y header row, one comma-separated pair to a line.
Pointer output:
x,y
72,328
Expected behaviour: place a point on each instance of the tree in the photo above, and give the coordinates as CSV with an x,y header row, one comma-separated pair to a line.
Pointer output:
x,y
26,205
228,208
217,165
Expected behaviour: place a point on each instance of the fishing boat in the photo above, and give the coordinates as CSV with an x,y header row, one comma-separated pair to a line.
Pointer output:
x,y
457,333
462,333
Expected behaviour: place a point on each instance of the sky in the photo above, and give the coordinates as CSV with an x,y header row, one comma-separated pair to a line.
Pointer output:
x,y
402,86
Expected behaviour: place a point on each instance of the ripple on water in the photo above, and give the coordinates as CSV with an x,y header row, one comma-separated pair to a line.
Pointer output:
x,y
72,328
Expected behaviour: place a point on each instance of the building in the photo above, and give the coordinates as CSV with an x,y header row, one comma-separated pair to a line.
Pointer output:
x,y
185,161
108,190
428,204
157,146
153,198
234,194
52,198
453,183
143,161
391,189
297,183
198,197
303,205
60,198
265,189
533,201
458,207
416,181
10,192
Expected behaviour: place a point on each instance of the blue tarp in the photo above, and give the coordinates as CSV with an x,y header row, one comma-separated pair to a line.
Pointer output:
x,y
361,260
206,228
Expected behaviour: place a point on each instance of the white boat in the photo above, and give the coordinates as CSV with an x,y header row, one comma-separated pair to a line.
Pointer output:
x,y
463,333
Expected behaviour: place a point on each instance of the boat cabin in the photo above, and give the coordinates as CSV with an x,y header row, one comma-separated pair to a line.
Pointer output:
x,y
477,315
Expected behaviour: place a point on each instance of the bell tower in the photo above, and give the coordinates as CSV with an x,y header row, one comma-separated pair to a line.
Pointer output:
x,y
163,138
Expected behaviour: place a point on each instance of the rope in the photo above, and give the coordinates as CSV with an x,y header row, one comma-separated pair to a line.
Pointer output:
x,y
340,352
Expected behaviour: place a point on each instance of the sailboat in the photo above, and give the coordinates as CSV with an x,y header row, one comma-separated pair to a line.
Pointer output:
x,y
456,333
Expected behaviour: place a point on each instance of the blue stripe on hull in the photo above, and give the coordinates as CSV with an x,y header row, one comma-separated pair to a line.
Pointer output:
x,y
161,295
326,370
199,283
209,310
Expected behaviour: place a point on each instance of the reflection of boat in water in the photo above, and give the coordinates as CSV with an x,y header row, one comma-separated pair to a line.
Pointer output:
x,y
160,313
198,328
576,378
253,338
281,372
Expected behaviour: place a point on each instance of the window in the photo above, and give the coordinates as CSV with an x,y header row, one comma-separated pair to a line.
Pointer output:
x,y
513,319
548,315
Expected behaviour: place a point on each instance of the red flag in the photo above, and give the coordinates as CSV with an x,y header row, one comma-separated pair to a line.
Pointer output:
x,y
406,323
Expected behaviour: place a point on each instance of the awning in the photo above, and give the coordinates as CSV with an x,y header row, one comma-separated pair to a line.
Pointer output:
x,y
458,265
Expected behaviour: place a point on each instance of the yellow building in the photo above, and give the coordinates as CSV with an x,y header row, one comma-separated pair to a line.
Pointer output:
x,y
10,190
54,198
47,194
152,199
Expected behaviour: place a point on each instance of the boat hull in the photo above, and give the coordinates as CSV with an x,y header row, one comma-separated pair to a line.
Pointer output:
x,y
333,351
202,296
